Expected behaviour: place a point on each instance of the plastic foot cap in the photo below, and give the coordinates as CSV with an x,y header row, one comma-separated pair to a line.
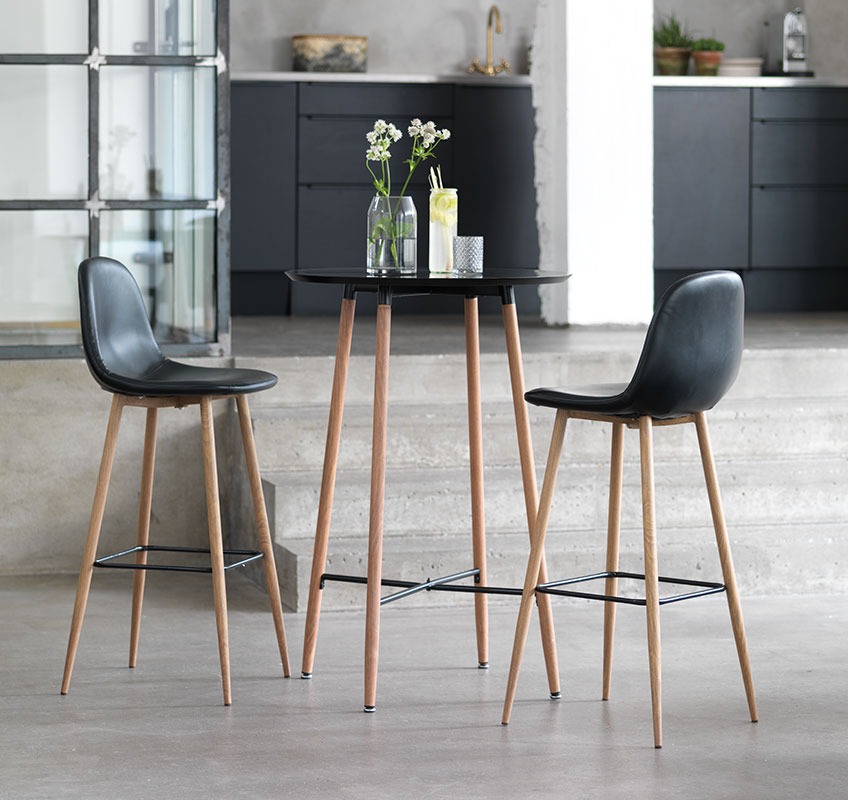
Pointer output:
x,y
306,676
482,665
369,709
556,695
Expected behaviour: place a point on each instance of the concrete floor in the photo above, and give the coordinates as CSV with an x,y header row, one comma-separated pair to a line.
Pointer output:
x,y
160,730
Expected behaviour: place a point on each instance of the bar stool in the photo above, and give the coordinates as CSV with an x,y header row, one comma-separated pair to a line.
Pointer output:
x,y
690,358
124,358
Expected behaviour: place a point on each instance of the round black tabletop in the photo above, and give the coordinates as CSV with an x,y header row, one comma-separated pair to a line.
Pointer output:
x,y
423,281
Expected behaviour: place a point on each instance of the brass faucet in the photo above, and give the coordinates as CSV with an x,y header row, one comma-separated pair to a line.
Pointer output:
x,y
490,69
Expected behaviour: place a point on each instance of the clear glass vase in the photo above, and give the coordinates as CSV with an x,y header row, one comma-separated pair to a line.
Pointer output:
x,y
444,216
392,235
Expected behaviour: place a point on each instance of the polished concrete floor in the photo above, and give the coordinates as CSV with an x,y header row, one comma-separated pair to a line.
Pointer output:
x,y
160,730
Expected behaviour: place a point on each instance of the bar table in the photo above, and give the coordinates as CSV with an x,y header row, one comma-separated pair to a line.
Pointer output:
x,y
491,282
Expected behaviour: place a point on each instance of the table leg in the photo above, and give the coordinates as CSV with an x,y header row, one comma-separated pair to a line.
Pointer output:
x,y
378,482
528,474
475,448
328,482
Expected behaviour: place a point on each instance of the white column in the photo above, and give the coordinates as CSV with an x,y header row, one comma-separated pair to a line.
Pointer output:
x,y
594,158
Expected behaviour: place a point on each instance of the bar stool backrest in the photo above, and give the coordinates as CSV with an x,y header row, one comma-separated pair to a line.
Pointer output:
x,y
116,334
693,347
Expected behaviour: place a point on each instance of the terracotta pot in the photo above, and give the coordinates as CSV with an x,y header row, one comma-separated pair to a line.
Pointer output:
x,y
671,60
707,61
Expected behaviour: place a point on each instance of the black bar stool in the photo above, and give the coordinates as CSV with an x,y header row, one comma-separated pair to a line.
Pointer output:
x,y
125,359
690,359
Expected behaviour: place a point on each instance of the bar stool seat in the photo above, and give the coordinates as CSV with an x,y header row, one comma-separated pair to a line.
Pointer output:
x,y
125,359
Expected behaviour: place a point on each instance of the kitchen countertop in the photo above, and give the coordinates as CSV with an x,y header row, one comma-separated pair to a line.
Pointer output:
x,y
689,81
502,79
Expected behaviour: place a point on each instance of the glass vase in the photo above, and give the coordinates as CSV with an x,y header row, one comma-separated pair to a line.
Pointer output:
x,y
444,215
392,236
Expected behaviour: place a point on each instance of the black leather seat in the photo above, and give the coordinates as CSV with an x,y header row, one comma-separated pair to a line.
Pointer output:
x,y
125,359
690,358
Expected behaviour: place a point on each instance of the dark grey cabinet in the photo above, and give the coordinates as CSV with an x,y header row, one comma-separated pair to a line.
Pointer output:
x,y
701,179
263,187
763,191
489,158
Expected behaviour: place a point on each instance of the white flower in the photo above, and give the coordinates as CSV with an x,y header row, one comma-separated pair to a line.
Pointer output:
x,y
426,140
380,126
444,134
371,136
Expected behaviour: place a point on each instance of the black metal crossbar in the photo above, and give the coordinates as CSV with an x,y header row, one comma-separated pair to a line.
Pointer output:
x,y
108,561
706,588
443,584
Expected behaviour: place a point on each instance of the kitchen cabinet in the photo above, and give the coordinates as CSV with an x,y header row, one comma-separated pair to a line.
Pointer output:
x,y
312,186
764,191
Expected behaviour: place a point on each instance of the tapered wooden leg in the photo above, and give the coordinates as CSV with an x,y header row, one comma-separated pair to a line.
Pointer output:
x,y
528,474
475,448
216,546
144,508
613,532
652,593
90,550
534,563
328,483
729,574
378,483
264,530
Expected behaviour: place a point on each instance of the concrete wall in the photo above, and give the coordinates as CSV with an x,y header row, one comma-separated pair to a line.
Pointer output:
x,y
740,27
440,36
51,437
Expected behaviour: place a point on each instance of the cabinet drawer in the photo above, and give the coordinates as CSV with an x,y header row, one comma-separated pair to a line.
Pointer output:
x,y
799,228
331,225
333,151
802,153
426,101
821,104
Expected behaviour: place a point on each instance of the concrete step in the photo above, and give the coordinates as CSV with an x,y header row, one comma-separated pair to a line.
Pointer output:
x,y
767,559
436,435
431,502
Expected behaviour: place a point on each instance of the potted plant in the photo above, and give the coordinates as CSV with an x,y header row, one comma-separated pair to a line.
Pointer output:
x,y
707,53
672,46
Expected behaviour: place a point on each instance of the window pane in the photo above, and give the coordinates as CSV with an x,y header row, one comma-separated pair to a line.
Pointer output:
x,y
172,257
46,149
46,27
157,27
157,133
39,255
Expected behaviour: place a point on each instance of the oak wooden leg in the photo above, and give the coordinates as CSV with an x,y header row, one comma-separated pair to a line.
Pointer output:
x,y
264,531
90,550
143,535
378,482
528,474
534,563
328,483
216,546
652,596
613,532
475,448
729,574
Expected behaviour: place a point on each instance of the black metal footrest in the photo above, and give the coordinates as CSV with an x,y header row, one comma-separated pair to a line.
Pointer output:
x,y
443,584
109,561
705,588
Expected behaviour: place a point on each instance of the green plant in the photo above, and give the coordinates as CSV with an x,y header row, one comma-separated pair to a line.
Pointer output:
x,y
672,33
712,45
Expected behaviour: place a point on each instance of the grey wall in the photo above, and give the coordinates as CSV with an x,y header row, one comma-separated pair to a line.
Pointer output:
x,y
437,36
740,26
442,36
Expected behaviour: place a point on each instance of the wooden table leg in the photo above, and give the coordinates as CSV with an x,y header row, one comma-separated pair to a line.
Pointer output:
x,y
328,482
475,448
528,473
378,483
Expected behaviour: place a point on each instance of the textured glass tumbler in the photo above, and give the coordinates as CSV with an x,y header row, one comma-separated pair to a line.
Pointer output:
x,y
468,255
